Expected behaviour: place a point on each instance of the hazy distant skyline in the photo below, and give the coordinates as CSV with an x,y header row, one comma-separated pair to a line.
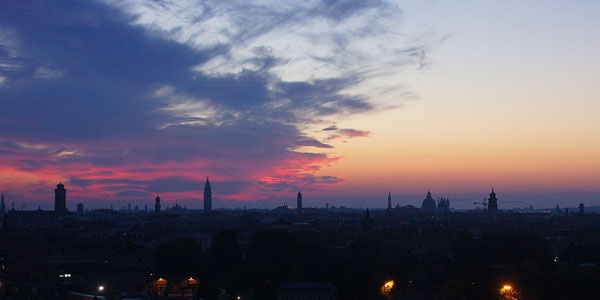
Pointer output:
x,y
345,100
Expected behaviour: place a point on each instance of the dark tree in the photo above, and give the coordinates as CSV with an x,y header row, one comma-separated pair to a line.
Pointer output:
x,y
271,258
225,261
181,257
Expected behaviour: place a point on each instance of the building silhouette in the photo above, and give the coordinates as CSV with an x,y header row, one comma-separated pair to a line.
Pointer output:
x,y
2,207
3,219
428,206
443,208
306,290
493,207
389,200
299,202
207,196
60,198
368,222
157,204
80,208
581,208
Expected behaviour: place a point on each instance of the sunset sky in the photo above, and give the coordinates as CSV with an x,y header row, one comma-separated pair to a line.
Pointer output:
x,y
344,100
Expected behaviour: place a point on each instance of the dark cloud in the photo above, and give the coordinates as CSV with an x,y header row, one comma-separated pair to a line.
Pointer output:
x,y
109,105
313,143
130,194
161,185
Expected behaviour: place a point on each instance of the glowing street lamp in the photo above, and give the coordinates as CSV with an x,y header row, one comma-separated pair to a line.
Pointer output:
x,y
100,288
387,287
507,292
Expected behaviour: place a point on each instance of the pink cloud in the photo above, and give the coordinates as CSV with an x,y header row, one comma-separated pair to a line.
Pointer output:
x,y
345,133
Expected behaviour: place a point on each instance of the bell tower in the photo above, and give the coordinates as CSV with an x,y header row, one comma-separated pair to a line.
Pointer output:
x,y
60,198
157,204
493,207
299,202
207,196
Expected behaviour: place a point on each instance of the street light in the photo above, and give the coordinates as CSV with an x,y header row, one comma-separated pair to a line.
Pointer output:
x,y
508,292
387,287
100,289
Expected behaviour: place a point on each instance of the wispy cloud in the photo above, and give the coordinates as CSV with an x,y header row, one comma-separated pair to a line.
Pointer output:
x,y
352,133
293,41
347,133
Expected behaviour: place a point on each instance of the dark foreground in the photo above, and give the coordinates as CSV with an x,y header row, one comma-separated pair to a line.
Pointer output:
x,y
281,254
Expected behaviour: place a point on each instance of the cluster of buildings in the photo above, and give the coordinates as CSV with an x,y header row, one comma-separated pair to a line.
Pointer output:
x,y
45,253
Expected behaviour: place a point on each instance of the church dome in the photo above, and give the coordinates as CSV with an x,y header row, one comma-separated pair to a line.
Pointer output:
x,y
428,205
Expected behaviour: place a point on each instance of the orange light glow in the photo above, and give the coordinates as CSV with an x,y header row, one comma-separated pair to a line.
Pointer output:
x,y
387,287
507,292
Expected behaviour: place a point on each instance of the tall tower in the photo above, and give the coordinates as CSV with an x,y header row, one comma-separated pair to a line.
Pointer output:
x,y
389,200
157,204
2,206
492,208
60,198
444,208
299,202
3,219
207,196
